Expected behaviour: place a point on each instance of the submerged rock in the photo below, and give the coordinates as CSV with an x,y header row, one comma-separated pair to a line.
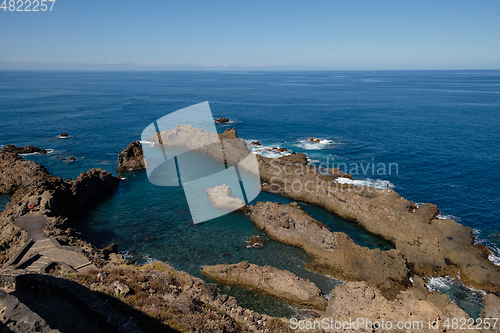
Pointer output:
x,y
269,280
255,143
255,242
222,197
313,140
131,158
63,135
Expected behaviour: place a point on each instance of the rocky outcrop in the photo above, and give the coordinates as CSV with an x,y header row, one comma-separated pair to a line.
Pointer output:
x,y
229,133
255,143
23,150
255,242
313,140
222,197
196,139
178,300
35,190
359,300
293,158
63,135
331,253
269,280
222,120
131,158
430,246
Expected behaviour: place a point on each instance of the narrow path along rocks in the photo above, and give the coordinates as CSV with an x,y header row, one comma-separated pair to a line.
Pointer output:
x,y
44,250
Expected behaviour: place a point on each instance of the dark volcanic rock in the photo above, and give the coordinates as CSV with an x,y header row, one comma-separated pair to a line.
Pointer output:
x,y
131,158
222,120
269,280
63,135
23,150
255,242
332,253
35,190
255,143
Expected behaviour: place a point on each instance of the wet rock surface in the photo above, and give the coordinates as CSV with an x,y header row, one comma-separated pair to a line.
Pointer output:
x,y
269,280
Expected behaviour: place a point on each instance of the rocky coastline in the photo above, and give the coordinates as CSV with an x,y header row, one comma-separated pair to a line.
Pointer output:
x,y
385,284
183,303
269,280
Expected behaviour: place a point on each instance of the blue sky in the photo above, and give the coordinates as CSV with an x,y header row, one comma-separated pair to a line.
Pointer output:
x,y
155,35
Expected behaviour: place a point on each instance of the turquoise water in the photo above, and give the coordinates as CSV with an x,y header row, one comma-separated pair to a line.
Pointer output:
x,y
440,127
4,199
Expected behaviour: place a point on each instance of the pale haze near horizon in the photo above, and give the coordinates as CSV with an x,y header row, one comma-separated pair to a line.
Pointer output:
x,y
225,35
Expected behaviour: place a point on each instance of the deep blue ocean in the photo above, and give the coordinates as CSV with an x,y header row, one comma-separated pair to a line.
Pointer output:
x,y
441,128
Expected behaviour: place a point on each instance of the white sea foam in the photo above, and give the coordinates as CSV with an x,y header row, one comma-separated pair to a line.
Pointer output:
x,y
494,259
380,184
322,144
443,284
448,217
144,258
49,151
267,151
147,143
439,284
64,137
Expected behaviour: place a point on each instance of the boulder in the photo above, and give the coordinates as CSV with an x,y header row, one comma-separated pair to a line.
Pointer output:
x,y
118,288
131,158
222,120
269,280
63,135
313,140
222,197
23,150
255,143
255,242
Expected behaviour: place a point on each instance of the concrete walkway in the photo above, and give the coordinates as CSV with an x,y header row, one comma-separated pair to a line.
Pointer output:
x,y
34,224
